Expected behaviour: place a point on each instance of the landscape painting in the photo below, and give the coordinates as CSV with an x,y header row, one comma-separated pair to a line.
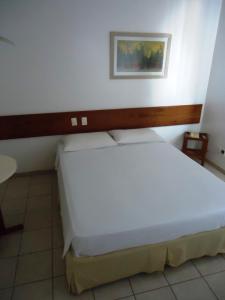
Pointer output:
x,y
139,55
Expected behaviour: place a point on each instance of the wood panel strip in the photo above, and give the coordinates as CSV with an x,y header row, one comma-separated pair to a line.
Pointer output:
x,y
34,125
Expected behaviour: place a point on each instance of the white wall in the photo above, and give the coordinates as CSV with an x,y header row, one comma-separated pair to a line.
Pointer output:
x,y
61,60
214,115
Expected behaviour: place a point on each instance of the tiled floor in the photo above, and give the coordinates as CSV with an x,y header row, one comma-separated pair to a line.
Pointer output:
x,y
31,267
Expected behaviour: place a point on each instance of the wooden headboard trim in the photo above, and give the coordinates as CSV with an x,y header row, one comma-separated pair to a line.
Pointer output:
x,y
34,125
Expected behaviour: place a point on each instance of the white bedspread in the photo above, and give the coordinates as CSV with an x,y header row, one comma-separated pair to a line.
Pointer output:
x,y
132,195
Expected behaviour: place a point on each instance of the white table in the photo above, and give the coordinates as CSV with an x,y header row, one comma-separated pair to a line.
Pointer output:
x,y
8,167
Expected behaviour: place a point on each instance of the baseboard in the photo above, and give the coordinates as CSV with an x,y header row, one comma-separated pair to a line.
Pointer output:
x,y
215,166
33,173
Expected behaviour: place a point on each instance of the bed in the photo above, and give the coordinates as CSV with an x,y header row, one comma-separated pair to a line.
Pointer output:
x,y
134,208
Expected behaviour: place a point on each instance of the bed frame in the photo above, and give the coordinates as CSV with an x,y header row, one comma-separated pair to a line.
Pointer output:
x,y
87,272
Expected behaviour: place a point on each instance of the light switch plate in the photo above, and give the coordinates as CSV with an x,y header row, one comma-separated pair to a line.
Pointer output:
x,y
74,121
84,121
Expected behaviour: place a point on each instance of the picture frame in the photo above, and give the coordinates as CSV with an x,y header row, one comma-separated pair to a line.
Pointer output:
x,y
139,55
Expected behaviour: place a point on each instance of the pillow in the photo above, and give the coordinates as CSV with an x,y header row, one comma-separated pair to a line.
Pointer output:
x,y
92,140
142,135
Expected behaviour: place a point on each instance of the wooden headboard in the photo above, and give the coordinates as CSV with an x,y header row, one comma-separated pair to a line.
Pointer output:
x,y
22,126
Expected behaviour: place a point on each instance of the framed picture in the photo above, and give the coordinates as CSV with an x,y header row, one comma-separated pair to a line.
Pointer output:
x,y
139,55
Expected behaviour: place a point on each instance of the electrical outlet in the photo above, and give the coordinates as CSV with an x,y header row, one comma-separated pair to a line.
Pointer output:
x,y
74,121
84,121
222,150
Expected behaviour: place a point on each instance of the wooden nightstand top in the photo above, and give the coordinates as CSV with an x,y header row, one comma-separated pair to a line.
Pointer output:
x,y
202,136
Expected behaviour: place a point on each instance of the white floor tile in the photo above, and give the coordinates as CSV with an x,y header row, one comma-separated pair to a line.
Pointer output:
x,y
17,188
19,181
217,283
14,205
39,203
7,272
38,220
38,240
40,189
55,203
5,294
58,262
57,237
9,244
113,290
61,292
210,264
145,282
182,273
195,289
13,219
160,294
41,290
33,267
42,178
56,218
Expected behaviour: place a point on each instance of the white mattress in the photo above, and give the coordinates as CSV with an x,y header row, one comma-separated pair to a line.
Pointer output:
x,y
132,195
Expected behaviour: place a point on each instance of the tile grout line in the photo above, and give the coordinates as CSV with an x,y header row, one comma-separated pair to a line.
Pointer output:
x,y
214,273
187,280
33,281
46,250
169,285
203,278
155,289
200,273
93,294
183,281
28,253
131,288
123,298
210,288
19,254
20,243
46,227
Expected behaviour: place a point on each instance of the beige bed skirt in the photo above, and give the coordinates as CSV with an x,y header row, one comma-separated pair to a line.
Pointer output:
x,y
87,272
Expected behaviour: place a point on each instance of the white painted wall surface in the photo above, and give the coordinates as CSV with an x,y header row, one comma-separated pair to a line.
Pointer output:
x,y
61,60
214,115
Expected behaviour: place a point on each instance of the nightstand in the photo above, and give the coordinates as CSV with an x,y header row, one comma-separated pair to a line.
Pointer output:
x,y
199,152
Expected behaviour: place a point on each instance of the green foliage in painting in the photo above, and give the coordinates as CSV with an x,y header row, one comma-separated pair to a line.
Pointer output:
x,y
143,56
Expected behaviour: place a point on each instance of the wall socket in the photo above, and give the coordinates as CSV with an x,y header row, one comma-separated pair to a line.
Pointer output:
x,y
74,121
84,121
222,150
